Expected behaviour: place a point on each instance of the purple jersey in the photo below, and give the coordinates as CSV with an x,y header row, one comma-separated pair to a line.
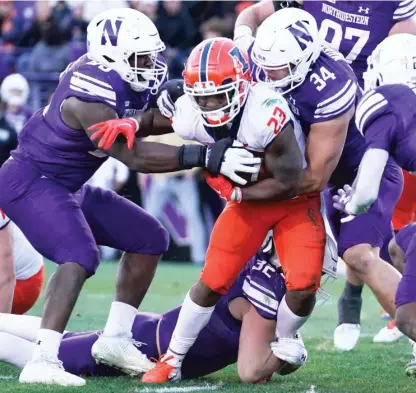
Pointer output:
x,y
66,155
217,344
386,117
18,118
330,89
355,28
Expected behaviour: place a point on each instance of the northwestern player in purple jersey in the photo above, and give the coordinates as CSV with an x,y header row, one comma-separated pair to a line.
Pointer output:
x,y
14,91
241,330
353,28
43,192
386,118
323,92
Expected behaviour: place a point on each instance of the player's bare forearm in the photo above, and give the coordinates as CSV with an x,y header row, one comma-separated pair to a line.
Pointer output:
x,y
254,15
152,122
255,358
7,276
144,157
284,160
407,26
323,150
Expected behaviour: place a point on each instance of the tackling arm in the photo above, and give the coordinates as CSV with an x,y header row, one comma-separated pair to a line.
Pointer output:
x,y
323,150
7,275
284,160
405,26
149,157
256,360
252,17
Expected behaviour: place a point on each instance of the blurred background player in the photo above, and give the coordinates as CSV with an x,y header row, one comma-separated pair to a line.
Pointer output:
x,y
372,22
14,92
21,270
182,186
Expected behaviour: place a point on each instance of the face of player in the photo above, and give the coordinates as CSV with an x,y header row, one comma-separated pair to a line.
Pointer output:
x,y
277,75
142,62
211,102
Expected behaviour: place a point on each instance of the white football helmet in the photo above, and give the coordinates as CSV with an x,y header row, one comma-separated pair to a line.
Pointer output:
x,y
286,44
119,38
14,90
392,62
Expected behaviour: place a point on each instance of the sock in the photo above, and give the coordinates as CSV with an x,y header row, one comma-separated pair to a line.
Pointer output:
x,y
349,304
192,319
288,322
47,344
120,320
15,350
23,326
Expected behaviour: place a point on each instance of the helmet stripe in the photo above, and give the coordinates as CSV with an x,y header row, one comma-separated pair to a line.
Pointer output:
x,y
203,67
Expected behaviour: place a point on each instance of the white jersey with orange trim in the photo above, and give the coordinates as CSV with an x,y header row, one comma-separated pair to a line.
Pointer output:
x,y
264,115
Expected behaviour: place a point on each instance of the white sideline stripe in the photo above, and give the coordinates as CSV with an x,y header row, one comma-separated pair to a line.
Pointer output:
x,y
7,377
175,389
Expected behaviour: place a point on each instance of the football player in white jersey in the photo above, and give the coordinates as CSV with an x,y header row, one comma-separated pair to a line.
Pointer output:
x,y
21,270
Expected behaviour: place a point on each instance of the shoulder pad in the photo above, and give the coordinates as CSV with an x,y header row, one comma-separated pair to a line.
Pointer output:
x,y
267,114
95,82
404,9
372,105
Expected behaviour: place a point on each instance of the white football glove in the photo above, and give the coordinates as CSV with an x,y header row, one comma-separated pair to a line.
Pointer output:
x,y
291,350
238,159
166,105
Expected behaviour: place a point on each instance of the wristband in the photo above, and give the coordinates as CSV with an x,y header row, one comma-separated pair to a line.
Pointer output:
x,y
191,156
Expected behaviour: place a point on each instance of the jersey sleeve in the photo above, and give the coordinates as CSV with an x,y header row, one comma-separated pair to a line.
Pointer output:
x,y
264,288
339,99
329,91
94,83
404,10
372,105
374,120
4,220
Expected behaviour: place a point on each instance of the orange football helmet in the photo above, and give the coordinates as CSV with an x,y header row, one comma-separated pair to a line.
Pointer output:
x,y
217,78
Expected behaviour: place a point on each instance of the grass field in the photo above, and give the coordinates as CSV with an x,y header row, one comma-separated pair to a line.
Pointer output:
x,y
370,368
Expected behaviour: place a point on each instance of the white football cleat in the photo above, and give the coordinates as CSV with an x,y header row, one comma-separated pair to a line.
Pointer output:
x,y
48,371
291,350
121,352
346,336
388,334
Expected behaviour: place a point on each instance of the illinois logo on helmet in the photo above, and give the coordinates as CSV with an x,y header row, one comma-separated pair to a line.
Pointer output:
x,y
217,78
